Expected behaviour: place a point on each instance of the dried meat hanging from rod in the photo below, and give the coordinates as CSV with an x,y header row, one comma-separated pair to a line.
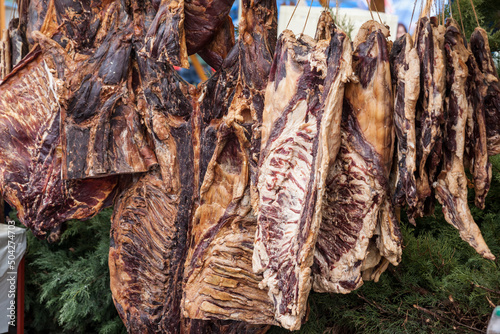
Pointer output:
x,y
31,150
219,279
429,118
451,186
476,144
300,138
482,53
405,71
358,230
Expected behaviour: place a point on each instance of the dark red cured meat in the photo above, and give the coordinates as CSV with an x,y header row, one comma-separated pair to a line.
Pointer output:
x,y
451,185
30,149
481,50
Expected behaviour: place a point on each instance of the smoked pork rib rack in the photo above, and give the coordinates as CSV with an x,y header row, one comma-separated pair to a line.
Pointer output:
x,y
482,53
219,281
300,138
451,186
358,230
30,148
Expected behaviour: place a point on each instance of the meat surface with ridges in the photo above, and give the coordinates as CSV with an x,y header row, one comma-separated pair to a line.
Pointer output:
x,y
30,154
451,186
357,212
481,50
300,138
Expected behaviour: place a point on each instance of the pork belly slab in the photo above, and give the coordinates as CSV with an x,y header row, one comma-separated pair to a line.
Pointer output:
x,y
359,232
300,138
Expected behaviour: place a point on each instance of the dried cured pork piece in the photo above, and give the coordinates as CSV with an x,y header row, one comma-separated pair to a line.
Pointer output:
x,y
405,71
451,186
30,148
476,145
358,230
102,133
481,51
300,138
429,42
219,279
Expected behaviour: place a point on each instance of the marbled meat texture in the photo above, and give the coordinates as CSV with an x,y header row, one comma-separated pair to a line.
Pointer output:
x,y
300,138
102,133
405,72
430,116
358,229
219,281
31,152
476,145
451,186
482,53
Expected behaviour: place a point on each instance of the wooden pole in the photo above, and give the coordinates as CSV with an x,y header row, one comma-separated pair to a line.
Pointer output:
x,y
198,68
2,15
20,297
377,5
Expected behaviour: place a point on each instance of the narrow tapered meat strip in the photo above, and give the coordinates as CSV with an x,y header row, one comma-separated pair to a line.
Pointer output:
x,y
429,43
357,212
300,139
481,49
405,71
476,145
451,186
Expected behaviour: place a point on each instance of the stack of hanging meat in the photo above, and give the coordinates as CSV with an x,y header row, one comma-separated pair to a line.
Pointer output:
x,y
280,174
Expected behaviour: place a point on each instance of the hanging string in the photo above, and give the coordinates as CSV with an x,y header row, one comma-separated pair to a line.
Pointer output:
x,y
292,14
475,14
375,5
460,14
368,3
307,18
442,13
413,11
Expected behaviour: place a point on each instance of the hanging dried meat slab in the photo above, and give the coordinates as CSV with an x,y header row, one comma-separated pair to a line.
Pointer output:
x,y
300,138
358,230
31,150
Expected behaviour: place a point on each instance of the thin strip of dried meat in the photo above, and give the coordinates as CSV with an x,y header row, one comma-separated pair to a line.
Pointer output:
x,y
300,138
481,50
476,145
220,46
358,230
219,279
166,39
451,186
30,148
429,43
102,133
405,71
18,42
